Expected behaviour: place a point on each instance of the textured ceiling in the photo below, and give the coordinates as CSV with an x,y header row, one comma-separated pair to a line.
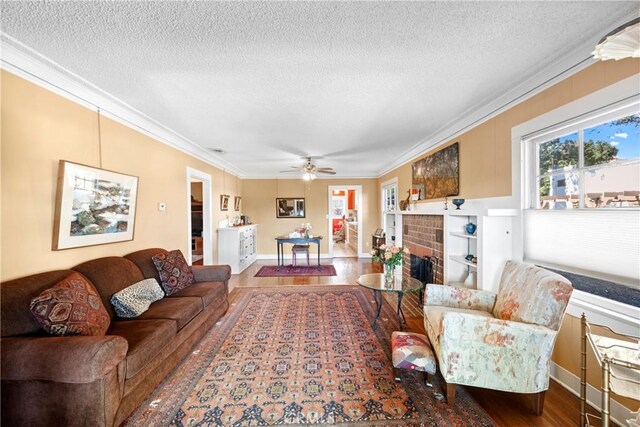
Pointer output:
x,y
357,84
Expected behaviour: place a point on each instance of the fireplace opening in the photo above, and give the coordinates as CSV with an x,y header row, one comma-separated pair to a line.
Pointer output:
x,y
423,268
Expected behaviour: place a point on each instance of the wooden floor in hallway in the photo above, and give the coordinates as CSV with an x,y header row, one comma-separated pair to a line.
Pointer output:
x,y
561,407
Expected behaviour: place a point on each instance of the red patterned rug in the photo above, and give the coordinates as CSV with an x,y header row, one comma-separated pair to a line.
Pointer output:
x,y
298,270
297,356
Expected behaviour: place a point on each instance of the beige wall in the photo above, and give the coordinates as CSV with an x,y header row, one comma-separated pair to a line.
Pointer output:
x,y
485,150
485,170
259,202
39,128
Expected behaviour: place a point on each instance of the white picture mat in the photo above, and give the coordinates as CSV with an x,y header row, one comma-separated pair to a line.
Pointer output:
x,y
69,172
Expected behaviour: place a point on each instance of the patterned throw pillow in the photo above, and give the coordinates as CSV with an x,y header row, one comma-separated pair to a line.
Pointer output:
x,y
175,273
71,307
134,300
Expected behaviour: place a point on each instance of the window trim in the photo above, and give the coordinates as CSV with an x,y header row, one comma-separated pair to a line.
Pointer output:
x,y
532,141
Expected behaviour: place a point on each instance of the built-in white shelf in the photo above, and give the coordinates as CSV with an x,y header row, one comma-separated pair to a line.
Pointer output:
x,y
462,260
463,235
491,243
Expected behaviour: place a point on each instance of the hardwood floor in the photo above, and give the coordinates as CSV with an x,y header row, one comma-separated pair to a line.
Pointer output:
x,y
561,407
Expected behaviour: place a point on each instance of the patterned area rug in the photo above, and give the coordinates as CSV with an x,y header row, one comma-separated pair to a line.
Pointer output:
x,y
297,356
299,270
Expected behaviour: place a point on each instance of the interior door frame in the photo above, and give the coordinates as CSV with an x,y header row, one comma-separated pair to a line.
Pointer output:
x,y
358,190
207,236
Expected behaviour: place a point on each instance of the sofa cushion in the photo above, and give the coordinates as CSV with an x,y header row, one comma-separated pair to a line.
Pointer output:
x,y
181,310
110,275
134,300
15,298
175,273
71,307
146,338
209,292
531,294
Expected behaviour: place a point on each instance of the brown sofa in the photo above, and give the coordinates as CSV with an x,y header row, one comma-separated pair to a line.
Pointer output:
x,y
99,381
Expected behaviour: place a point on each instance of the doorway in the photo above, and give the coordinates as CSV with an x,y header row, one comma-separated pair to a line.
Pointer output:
x,y
200,244
345,221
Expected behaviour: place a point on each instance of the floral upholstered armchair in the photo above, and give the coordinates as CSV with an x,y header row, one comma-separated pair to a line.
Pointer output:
x,y
501,342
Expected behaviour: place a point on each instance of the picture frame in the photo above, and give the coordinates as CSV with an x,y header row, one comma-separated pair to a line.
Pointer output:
x,y
437,175
290,207
236,203
224,202
93,206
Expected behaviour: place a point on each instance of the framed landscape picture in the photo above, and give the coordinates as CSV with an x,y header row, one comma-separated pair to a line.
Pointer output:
x,y
437,175
93,206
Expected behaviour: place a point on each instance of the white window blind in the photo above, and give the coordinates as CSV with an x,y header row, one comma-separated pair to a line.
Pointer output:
x,y
602,243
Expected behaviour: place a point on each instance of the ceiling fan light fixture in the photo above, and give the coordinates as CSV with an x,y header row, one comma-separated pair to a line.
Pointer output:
x,y
309,176
621,43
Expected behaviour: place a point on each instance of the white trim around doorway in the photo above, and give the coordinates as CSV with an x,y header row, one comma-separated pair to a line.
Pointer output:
x,y
207,236
358,190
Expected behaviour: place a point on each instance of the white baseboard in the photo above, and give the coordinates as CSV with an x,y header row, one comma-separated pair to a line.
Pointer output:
x,y
619,413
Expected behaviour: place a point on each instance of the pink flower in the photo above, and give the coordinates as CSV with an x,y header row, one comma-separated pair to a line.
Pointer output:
x,y
387,255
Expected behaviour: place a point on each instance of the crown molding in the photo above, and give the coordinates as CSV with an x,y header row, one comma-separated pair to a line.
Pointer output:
x,y
24,62
565,66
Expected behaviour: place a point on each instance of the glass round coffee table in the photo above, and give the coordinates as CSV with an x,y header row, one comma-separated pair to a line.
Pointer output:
x,y
401,286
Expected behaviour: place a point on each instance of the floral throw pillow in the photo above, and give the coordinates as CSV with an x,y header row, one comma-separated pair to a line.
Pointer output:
x,y
175,273
134,300
71,307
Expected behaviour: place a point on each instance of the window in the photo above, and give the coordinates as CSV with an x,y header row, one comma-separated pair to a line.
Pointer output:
x,y
389,197
591,163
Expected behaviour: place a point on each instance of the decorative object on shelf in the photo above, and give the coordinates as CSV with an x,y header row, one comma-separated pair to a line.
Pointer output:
x,y
390,256
469,257
224,202
236,203
470,281
290,207
93,206
621,43
404,204
437,174
446,201
470,228
417,192
235,220
458,203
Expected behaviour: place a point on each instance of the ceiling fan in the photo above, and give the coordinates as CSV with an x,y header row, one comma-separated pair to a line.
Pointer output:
x,y
310,170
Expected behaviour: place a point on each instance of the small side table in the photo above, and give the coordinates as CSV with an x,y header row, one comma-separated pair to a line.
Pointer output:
x,y
401,286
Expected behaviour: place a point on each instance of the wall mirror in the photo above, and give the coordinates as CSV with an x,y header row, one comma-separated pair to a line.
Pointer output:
x,y
290,208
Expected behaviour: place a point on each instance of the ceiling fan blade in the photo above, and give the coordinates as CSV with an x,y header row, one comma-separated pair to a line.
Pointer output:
x,y
290,171
327,172
324,169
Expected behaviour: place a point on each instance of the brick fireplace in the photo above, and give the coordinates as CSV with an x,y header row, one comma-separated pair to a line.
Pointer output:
x,y
423,235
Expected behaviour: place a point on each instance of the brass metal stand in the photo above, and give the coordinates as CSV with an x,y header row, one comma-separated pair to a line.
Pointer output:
x,y
626,355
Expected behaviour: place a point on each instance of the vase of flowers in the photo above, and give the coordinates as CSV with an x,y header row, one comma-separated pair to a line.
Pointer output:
x,y
390,257
305,229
